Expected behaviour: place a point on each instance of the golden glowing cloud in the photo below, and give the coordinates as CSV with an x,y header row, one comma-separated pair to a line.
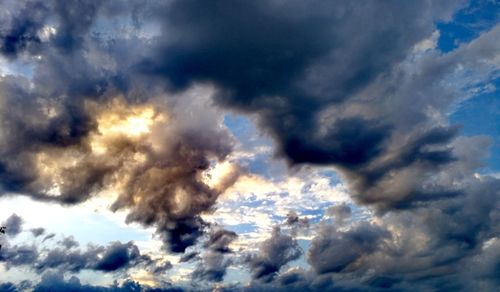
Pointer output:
x,y
122,120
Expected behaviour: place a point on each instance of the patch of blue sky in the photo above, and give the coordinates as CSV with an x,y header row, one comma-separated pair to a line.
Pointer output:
x,y
301,262
236,275
468,23
331,174
100,229
480,115
257,203
85,225
16,67
242,228
261,159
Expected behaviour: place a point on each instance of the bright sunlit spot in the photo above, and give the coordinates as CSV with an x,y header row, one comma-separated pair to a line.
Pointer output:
x,y
122,120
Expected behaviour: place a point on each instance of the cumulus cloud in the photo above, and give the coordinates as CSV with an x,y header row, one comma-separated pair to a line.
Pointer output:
x,y
335,251
273,254
213,263
13,225
56,282
66,256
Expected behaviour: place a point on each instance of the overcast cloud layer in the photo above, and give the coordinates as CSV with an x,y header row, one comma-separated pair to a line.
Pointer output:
x,y
126,101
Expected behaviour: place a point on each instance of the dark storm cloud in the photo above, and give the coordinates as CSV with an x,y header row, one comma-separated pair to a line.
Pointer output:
x,y
300,69
13,225
274,253
342,84
280,60
21,30
334,83
447,245
49,116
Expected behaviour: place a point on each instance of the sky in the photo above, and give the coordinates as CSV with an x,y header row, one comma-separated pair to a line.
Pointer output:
x,y
231,145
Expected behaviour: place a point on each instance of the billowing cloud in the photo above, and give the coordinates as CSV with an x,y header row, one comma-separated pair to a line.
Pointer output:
x,y
213,262
13,225
274,253
56,282
109,106
335,251
154,158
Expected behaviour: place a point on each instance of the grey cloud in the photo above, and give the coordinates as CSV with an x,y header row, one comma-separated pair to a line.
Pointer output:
x,y
335,251
323,79
49,237
65,257
219,240
113,257
38,231
293,219
60,123
273,254
159,268
214,261
189,256
21,30
212,267
69,242
18,255
13,225
56,282
340,212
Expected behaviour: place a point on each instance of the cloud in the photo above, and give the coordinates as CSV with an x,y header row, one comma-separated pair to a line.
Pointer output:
x,y
274,253
21,30
212,267
189,256
37,231
339,212
115,256
335,251
219,240
213,263
166,166
56,282
333,102
60,112
18,255
339,85
118,256
66,257
13,225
